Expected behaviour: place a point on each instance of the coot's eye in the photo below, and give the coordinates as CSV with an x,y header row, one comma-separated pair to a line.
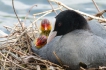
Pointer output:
x,y
59,24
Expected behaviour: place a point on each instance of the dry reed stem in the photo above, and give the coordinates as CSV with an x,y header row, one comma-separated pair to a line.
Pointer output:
x,y
20,36
29,12
45,61
39,59
59,6
5,59
13,55
13,62
98,15
85,14
13,50
97,7
40,17
47,11
38,67
52,7
28,44
7,27
16,14
81,68
58,59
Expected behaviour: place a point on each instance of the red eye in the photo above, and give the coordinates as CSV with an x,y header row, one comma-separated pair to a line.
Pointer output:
x,y
59,24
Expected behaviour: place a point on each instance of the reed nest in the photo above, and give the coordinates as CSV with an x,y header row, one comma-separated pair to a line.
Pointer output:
x,y
15,49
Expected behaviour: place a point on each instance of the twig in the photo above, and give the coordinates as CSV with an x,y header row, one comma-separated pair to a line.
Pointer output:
x,y
59,7
97,7
16,14
20,53
81,68
7,27
7,39
46,11
52,7
29,12
97,15
44,61
57,58
13,62
85,14
5,59
20,36
38,67
28,43
35,26
14,28
40,18
12,54
3,37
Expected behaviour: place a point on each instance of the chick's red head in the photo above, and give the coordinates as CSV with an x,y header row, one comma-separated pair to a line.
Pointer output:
x,y
45,25
40,41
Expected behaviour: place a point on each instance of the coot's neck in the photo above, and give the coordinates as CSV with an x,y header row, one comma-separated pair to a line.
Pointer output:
x,y
86,27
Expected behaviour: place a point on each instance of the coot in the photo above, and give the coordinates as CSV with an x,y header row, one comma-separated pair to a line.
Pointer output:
x,y
74,43
97,28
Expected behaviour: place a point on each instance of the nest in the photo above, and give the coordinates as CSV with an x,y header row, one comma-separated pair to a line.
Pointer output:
x,y
15,49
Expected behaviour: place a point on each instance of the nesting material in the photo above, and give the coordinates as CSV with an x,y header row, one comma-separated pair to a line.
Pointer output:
x,y
16,52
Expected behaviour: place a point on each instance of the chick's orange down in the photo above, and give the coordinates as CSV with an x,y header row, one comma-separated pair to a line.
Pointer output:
x,y
40,41
45,28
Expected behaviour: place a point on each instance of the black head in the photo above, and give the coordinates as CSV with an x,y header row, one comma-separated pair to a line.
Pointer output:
x,y
68,20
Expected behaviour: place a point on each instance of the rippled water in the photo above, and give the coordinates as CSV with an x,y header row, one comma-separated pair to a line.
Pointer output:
x,y
7,16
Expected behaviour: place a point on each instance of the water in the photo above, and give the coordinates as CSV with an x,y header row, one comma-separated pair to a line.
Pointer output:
x,y
8,18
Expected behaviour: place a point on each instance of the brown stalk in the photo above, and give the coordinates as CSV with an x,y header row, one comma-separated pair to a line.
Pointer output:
x,y
16,14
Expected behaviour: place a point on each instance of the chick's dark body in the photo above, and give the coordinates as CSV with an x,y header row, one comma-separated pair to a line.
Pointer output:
x,y
77,43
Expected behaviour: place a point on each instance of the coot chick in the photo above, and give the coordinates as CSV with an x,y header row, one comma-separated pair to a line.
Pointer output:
x,y
45,28
74,43
40,41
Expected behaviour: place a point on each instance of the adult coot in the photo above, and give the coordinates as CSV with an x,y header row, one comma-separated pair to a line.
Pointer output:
x,y
74,42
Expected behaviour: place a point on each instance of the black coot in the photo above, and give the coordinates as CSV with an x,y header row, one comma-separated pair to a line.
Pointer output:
x,y
74,42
